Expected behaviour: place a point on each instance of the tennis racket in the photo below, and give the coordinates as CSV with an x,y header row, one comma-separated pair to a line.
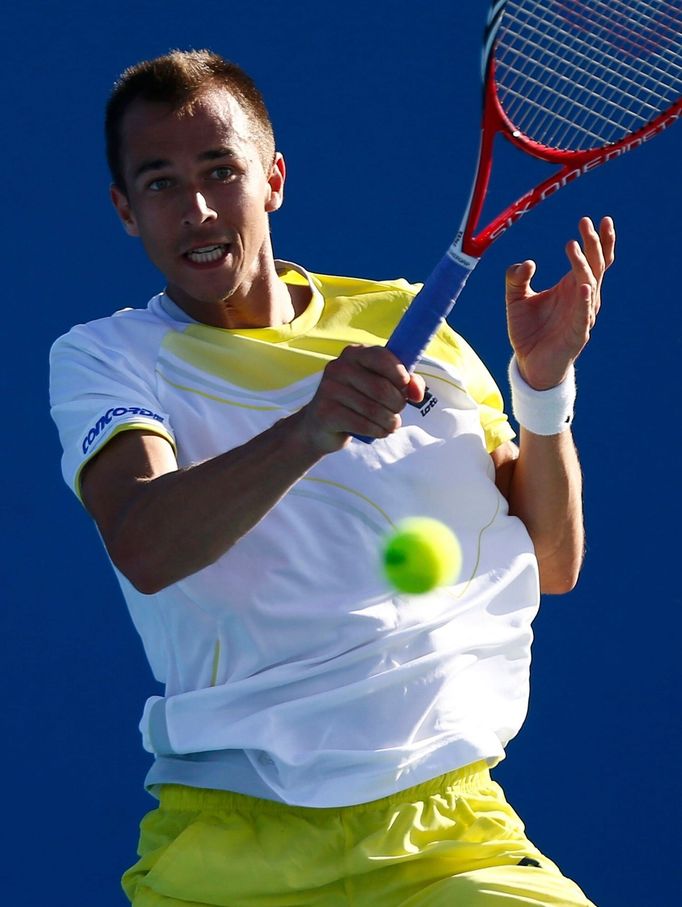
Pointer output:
x,y
577,83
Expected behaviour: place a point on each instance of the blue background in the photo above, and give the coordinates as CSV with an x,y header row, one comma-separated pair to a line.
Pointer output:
x,y
376,108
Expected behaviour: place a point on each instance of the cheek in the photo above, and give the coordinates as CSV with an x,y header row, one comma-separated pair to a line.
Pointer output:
x,y
257,213
156,245
153,229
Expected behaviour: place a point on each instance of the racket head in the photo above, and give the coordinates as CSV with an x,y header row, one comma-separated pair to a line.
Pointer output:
x,y
576,84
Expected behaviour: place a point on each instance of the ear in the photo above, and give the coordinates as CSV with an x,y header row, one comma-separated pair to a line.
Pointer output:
x,y
120,202
275,193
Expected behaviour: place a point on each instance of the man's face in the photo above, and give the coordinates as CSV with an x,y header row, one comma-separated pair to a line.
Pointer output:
x,y
198,197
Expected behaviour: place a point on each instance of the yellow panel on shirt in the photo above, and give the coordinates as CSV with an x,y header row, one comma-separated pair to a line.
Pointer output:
x,y
342,311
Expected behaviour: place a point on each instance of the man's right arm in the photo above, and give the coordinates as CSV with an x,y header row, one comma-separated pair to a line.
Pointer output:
x,y
161,524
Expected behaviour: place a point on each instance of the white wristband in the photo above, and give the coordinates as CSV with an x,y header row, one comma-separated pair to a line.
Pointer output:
x,y
543,412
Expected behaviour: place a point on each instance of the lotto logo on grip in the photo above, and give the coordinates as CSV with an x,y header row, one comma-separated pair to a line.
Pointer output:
x,y
115,413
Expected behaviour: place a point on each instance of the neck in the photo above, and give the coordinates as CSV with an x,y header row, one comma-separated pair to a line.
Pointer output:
x,y
264,302
260,302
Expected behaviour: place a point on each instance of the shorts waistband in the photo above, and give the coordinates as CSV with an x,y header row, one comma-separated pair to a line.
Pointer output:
x,y
196,799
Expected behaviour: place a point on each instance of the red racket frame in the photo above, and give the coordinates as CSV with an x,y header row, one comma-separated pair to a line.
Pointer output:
x,y
573,164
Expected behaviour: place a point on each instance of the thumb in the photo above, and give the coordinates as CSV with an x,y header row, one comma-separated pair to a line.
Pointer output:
x,y
415,389
518,280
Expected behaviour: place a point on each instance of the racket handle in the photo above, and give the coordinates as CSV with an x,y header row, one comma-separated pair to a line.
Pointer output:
x,y
427,310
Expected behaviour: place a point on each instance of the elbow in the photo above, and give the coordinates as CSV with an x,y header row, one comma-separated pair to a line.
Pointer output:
x,y
560,561
139,567
558,585
143,579
559,578
146,583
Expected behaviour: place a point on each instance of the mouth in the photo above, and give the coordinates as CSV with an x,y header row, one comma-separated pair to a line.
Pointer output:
x,y
209,254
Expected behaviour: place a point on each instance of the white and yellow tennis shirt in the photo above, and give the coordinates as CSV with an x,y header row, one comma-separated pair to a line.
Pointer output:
x,y
291,669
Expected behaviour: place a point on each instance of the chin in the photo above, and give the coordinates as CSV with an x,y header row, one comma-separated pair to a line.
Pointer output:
x,y
206,296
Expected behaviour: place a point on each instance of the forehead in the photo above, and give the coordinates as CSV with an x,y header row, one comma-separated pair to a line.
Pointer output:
x,y
212,119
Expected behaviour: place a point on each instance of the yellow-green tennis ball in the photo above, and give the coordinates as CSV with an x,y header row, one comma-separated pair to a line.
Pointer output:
x,y
421,554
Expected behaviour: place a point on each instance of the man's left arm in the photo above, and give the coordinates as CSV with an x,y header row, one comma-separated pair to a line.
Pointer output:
x,y
541,478
542,481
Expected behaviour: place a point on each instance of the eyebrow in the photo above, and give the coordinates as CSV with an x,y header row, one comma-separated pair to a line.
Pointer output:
x,y
153,164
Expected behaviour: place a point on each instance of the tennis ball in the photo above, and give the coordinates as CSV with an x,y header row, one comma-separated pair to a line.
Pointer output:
x,y
421,554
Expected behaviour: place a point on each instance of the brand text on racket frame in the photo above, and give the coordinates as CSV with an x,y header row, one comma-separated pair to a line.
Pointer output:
x,y
549,187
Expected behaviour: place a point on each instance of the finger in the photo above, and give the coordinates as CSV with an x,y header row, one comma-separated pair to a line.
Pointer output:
x,y
580,266
517,280
373,372
416,389
342,408
376,360
592,247
589,309
370,385
607,232
587,285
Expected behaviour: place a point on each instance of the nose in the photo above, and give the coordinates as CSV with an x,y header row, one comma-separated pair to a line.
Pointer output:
x,y
197,210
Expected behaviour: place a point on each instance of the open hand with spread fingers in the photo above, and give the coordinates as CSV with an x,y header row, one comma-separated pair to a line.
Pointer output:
x,y
549,329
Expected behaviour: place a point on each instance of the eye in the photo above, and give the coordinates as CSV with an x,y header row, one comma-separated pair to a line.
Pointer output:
x,y
223,173
158,184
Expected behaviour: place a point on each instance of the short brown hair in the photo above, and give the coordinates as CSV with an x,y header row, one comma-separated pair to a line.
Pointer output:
x,y
176,79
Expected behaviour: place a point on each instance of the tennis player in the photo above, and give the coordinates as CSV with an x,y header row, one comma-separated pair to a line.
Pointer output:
x,y
321,740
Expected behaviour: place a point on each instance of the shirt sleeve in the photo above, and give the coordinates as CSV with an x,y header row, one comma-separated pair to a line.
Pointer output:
x,y
96,392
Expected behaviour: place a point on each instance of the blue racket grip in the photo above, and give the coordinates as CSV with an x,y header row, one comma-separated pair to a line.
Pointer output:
x,y
427,310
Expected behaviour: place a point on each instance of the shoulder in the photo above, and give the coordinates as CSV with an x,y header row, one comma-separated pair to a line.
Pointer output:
x,y
130,330
370,307
335,285
364,293
377,306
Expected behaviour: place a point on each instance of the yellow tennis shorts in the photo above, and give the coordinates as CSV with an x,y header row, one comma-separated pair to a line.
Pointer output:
x,y
452,842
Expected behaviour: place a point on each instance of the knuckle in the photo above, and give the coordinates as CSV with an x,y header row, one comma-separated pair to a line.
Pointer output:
x,y
332,369
376,412
347,357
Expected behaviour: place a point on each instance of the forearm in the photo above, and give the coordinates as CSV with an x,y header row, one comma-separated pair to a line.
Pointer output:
x,y
548,331
184,520
546,494
161,524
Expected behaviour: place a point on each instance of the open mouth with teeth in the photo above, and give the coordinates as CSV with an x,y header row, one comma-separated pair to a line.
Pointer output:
x,y
207,254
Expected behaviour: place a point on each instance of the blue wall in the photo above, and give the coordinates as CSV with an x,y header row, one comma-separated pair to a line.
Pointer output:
x,y
377,113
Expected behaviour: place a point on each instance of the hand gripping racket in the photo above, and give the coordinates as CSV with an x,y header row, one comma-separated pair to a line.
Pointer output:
x,y
572,82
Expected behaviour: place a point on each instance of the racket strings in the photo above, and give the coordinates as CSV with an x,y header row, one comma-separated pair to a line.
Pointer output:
x,y
577,75
587,113
586,59
579,92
